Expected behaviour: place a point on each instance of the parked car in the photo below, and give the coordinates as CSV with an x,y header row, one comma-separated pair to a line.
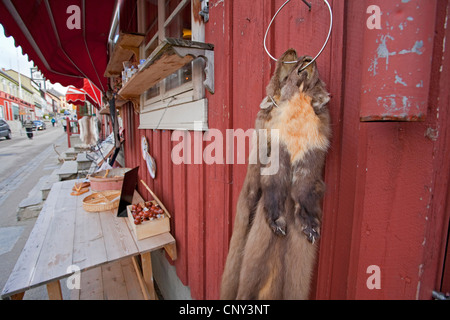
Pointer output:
x,y
5,130
39,125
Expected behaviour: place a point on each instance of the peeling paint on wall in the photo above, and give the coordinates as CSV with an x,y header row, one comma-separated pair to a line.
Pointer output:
x,y
382,53
399,80
396,80
418,46
395,104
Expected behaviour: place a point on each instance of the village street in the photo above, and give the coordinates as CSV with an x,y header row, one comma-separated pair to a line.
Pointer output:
x,y
22,163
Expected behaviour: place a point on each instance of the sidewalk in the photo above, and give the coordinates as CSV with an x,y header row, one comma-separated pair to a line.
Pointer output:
x,y
24,185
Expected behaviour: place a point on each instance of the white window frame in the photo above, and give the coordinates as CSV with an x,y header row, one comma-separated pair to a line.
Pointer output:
x,y
184,107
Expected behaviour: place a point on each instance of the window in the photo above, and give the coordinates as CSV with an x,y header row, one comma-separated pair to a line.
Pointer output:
x,y
8,111
15,109
178,101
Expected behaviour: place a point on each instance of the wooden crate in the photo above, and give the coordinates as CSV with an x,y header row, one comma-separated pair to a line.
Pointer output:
x,y
150,228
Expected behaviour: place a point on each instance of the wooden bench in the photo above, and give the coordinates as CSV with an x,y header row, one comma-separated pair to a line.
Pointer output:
x,y
65,235
117,280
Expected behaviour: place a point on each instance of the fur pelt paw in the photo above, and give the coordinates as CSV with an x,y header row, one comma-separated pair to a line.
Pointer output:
x,y
312,234
279,226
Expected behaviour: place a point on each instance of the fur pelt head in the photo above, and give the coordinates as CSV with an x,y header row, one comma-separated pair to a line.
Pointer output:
x,y
273,89
307,81
282,71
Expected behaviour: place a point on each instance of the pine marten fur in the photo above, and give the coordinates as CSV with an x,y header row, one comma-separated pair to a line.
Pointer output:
x,y
272,249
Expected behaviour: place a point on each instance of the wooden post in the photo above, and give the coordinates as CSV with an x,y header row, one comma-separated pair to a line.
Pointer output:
x,y
148,273
68,131
140,278
54,290
17,296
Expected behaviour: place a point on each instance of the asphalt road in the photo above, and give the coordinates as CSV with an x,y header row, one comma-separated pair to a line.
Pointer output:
x,y
22,163
18,151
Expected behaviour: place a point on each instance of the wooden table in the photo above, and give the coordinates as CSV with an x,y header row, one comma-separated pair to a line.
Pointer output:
x,y
65,235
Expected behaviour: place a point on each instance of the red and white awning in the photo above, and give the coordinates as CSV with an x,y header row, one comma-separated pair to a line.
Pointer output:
x,y
89,92
94,95
76,96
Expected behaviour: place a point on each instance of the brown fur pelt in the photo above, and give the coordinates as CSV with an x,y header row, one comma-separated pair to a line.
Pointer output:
x,y
273,249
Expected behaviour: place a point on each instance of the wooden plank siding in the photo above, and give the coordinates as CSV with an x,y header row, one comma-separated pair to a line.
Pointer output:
x,y
391,209
381,177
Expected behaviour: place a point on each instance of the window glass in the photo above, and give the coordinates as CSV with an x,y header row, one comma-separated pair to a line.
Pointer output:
x,y
151,48
171,5
180,26
182,76
151,20
153,91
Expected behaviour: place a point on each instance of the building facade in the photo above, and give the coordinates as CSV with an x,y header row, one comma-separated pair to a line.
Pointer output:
x,y
192,71
16,101
31,92
387,172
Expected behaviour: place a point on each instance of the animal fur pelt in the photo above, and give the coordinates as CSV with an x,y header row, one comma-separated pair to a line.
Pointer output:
x,y
273,246
89,131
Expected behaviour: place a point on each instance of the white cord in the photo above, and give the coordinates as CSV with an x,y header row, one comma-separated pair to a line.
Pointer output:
x,y
321,50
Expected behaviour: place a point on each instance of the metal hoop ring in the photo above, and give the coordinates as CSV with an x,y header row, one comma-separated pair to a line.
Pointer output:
x,y
321,50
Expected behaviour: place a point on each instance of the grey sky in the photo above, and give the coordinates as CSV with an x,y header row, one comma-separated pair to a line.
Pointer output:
x,y
13,58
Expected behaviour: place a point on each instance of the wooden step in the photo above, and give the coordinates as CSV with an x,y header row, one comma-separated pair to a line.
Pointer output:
x,y
48,183
70,154
83,162
81,148
31,206
68,170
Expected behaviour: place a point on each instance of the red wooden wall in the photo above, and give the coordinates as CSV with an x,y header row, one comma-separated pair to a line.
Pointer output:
x,y
387,196
390,208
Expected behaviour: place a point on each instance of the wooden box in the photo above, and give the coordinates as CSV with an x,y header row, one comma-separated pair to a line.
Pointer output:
x,y
150,228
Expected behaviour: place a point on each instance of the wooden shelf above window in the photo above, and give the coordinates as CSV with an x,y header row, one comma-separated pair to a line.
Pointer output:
x,y
171,55
127,45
